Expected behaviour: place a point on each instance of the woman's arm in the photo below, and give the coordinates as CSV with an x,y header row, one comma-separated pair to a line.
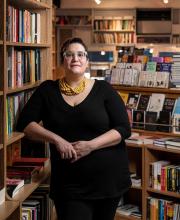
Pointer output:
x,y
36,132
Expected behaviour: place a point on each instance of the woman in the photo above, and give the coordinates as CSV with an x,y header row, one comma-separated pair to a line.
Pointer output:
x,y
86,123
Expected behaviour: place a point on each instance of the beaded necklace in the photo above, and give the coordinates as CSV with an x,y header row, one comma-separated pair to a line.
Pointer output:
x,y
66,89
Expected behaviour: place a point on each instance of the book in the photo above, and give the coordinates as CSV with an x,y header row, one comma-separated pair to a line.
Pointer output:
x,y
143,102
176,109
127,209
169,104
132,100
156,102
173,141
124,96
141,139
176,124
151,121
164,121
13,186
138,119
31,161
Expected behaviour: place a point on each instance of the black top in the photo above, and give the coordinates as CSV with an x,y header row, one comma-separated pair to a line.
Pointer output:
x,y
101,174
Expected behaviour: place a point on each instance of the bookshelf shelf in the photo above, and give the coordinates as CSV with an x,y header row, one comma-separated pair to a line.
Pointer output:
x,y
17,44
14,136
166,193
145,89
153,147
34,59
124,217
27,189
118,31
149,154
69,26
23,88
30,4
7,208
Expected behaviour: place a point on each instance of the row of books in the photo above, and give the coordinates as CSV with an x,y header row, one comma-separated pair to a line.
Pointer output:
x,y
23,171
116,25
114,38
23,66
155,102
166,142
14,105
38,206
132,75
162,209
164,177
23,26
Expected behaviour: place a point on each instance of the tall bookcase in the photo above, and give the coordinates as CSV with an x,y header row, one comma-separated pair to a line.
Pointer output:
x,y
141,156
33,36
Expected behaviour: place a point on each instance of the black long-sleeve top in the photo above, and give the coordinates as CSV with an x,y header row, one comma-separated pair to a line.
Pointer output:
x,y
101,174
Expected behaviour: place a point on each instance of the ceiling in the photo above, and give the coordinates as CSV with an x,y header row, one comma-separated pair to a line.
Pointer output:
x,y
120,4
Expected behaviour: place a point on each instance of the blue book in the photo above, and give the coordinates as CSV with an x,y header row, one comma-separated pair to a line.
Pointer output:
x,y
177,107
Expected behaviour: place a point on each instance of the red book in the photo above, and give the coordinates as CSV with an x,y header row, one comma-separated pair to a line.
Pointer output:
x,y
31,161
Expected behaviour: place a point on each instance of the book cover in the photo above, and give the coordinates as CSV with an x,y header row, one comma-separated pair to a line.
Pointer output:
x,y
151,121
151,66
176,124
13,186
176,109
31,161
132,100
156,102
169,104
138,119
143,102
164,121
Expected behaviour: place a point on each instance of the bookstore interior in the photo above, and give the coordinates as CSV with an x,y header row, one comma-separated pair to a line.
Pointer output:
x,y
132,44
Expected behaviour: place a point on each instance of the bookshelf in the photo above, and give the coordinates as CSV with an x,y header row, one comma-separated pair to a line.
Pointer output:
x,y
113,26
31,42
141,156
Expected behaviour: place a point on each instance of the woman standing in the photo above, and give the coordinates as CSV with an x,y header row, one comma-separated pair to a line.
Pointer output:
x,y
86,123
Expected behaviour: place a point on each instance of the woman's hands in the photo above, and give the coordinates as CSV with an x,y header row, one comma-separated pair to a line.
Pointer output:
x,y
82,149
65,149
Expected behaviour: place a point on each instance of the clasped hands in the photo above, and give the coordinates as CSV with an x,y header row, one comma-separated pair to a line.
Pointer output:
x,y
74,151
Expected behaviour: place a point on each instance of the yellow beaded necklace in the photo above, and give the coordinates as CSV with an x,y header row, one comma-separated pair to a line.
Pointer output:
x,y
68,90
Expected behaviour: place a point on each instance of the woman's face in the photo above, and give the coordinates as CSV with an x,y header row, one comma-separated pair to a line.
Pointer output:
x,y
75,59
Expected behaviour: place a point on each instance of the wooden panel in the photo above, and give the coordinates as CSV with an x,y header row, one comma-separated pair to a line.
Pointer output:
x,y
1,20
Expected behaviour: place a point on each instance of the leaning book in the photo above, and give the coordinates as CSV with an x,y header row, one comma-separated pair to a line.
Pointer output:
x,y
13,186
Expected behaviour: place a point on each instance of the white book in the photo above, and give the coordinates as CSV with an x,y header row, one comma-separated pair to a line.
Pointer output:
x,y
156,102
2,195
176,124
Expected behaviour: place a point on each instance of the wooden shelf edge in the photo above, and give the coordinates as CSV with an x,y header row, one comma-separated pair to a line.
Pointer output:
x,y
166,193
27,189
70,26
146,89
153,147
19,44
24,87
126,217
7,208
14,136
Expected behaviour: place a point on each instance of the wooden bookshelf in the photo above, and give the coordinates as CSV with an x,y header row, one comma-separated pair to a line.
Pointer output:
x,y
12,40
148,154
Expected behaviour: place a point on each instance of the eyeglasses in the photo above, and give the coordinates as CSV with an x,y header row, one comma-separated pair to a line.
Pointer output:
x,y
80,54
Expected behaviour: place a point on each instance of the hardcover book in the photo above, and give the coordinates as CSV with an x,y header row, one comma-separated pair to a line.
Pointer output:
x,y
138,119
156,102
143,102
31,161
151,121
169,104
164,121
132,100
13,186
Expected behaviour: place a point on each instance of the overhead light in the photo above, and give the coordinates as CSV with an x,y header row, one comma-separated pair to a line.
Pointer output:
x,y
98,2
166,1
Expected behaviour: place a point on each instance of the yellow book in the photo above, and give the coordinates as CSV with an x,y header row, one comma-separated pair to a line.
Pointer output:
x,y
124,96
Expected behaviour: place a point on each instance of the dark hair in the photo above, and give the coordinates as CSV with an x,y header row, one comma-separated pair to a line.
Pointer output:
x,y
69,41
